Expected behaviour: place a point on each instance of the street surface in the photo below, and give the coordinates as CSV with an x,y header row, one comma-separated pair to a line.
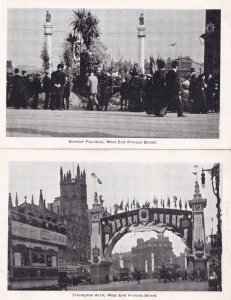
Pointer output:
x,y
145,285
110,124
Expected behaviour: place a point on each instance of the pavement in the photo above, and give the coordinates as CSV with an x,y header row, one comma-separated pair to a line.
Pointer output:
x,y
109,124
145,285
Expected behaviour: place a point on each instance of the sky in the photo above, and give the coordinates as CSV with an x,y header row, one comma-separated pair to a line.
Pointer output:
x,y
25,33
120,181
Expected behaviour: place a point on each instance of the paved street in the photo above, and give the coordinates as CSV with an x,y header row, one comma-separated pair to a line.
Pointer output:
x,y
46,123
145,285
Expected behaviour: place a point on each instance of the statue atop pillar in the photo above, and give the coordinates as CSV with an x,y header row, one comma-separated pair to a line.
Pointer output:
x,y
48,17
141,19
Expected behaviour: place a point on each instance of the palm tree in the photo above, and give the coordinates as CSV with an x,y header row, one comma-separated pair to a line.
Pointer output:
x,y
79,20
92,28
86,24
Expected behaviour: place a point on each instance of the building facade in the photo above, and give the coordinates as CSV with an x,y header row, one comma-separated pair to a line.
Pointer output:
x,y
212,40
148,256
36,239
71,209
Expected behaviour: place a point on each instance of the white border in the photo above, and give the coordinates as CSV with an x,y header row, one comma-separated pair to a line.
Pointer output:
x,y
224,142
164,156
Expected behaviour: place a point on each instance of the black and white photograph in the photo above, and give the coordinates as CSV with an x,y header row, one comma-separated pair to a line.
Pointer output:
x,y
113,73
92,226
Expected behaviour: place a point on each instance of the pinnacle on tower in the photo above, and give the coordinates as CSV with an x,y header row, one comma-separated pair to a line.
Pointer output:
x,y
10,204
32,200
41,199
78,171
61,174
96,198
16,200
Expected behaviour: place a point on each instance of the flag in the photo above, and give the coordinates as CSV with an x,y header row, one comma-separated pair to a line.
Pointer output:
x,y
134,202
93,175
173,44
168,203
186,205
127,205
121,205
99,181
180,204
174,200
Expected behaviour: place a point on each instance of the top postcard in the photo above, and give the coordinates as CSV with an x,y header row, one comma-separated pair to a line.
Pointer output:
x,y
114,77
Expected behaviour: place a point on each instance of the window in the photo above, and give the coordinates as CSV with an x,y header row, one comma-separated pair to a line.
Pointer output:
x,y
21,256
38,257
51,260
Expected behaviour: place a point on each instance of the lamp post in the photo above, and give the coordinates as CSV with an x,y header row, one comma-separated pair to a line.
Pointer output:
x,y
215,178
216,239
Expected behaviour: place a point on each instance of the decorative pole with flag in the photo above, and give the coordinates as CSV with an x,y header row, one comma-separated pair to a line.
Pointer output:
x,y
175,200
174,45
94,176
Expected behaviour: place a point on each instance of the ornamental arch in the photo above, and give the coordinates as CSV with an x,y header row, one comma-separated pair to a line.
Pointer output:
x,y
107,230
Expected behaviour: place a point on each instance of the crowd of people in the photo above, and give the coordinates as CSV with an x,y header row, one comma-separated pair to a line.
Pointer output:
x,y
155,94
24,90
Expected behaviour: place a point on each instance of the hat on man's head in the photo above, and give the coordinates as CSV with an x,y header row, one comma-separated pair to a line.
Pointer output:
x,y
16,70
174,64
160,63
23,72
60,66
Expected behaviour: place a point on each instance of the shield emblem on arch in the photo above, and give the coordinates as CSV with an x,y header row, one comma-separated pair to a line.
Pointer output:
x,y
144,215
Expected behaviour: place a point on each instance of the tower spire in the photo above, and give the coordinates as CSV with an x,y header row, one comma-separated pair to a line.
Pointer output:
x,y
16,200
61,174
10,204
32,200
78,171
41,199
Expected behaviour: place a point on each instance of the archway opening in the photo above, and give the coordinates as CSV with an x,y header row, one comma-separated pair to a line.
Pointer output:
x,y
148,251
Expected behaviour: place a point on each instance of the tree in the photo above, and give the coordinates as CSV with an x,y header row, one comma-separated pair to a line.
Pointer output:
x,y
86,24
45,58
96,55
82,42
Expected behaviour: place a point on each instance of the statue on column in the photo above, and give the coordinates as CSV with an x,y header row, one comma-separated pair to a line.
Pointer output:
x,y
141,19
48,17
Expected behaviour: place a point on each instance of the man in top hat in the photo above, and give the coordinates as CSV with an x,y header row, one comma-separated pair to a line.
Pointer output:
x,y
24,84
57,88
16,89
173,88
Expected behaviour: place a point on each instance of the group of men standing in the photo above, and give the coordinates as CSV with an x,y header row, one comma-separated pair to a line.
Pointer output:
x,y
165,90
24,90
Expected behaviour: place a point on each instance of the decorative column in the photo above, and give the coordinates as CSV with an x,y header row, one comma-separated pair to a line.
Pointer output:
x,y
121,261
99,268
153,262
141,36
48,39
198,231
146,265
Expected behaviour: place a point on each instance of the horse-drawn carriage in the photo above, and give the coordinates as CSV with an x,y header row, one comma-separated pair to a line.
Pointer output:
x,y
168,274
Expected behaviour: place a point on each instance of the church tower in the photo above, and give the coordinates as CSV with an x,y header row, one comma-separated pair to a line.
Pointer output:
x,y
72,205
